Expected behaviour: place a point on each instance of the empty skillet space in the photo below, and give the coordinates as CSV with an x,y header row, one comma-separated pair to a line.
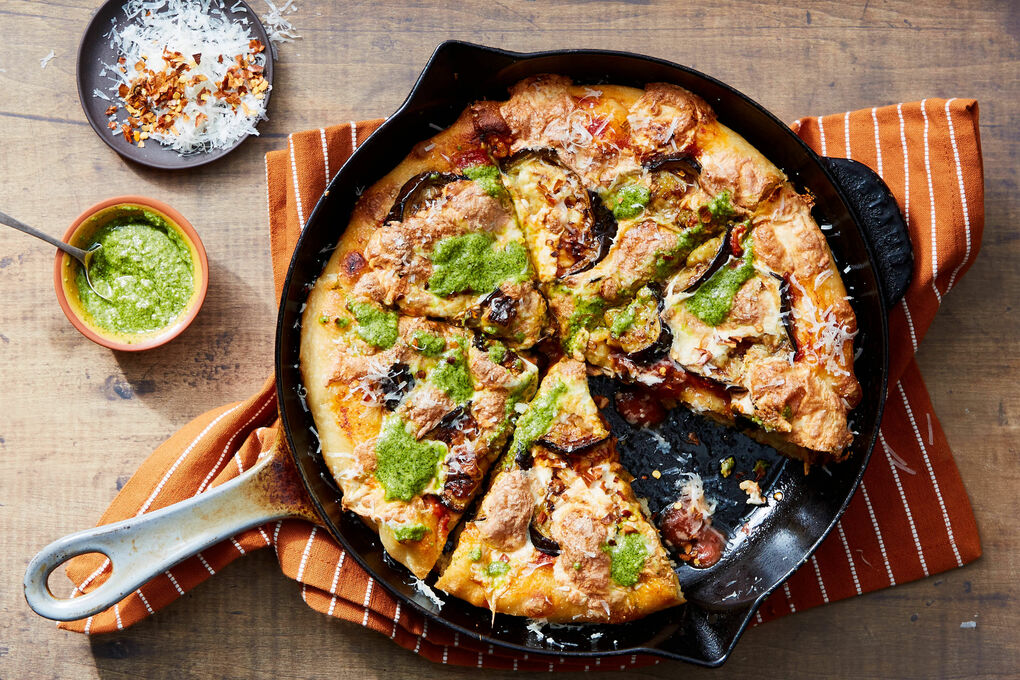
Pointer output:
x,y
705,629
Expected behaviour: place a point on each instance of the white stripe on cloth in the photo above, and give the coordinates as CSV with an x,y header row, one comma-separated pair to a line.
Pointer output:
x,y
304,553
80,588
336,581
821,135
878,533
424,631
201,558
237,545
963,198
906,166
878,144
931,474
177,586
396,620
180,459
910,324
931,199
849,557
325,153
354,135
276,536
223,454
297,186
789,597
821,583
846,133
144,601
116,613
368,599
903,499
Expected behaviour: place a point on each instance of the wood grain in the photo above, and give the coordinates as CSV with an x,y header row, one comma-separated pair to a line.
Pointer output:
x,y
76,420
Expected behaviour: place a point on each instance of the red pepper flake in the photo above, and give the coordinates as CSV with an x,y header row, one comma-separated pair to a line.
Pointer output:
x,y
111,109
197,57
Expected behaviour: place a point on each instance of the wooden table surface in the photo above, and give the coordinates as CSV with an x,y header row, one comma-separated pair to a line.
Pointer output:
x,y
76,419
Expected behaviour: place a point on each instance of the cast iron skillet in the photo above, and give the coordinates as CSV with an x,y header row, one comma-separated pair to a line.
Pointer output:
x,y
869,240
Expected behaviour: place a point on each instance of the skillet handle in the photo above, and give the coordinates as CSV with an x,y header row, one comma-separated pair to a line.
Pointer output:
x,y
145,546
883,224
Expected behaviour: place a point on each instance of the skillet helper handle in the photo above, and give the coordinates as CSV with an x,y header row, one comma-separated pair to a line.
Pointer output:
x,y
145,546
883,224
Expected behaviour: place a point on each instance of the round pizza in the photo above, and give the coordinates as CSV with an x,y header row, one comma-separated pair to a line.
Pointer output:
x,y
565,232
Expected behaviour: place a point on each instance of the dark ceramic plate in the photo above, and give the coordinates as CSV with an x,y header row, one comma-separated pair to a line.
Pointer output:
x,y
94,51
869,240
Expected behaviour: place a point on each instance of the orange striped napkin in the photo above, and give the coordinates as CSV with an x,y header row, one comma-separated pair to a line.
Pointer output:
x,y
910,519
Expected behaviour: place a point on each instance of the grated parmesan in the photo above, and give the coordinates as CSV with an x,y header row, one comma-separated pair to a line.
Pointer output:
x,y
47,59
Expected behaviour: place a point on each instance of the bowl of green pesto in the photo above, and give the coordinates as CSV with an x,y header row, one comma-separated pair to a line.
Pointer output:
x,y
149,277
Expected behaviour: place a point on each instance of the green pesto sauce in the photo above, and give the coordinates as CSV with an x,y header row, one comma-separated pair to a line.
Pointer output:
x,y
451,375
629,201
404,465
475,554
586,316
712,301
410,532
472,263
587,313
536,420
497,352
376,326
721,207
668,261
625,319
488,178
495,569
428,344
146,270
627,558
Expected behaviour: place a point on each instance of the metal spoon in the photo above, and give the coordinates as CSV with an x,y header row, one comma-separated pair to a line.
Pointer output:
x,y
83,256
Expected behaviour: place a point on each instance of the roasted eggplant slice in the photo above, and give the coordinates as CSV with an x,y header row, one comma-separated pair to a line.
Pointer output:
x,y
455,426
499,308
786,308
636,326
417,191
679,163
567,227
542,542
701,272
658,349
573,433
397,382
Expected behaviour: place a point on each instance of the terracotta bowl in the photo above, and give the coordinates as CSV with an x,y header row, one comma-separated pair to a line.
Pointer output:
x,y
65,270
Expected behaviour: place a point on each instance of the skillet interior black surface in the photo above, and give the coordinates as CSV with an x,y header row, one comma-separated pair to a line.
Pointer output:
x,y
780,536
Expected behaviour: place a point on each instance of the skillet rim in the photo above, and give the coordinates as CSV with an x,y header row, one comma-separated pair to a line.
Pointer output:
x,y
418,90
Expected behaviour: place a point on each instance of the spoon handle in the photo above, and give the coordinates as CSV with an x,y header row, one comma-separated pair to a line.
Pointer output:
x,y
76,253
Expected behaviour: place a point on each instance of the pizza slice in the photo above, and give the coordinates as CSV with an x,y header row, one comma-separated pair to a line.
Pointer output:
x,y
449,247
411,413
770,321
560,534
